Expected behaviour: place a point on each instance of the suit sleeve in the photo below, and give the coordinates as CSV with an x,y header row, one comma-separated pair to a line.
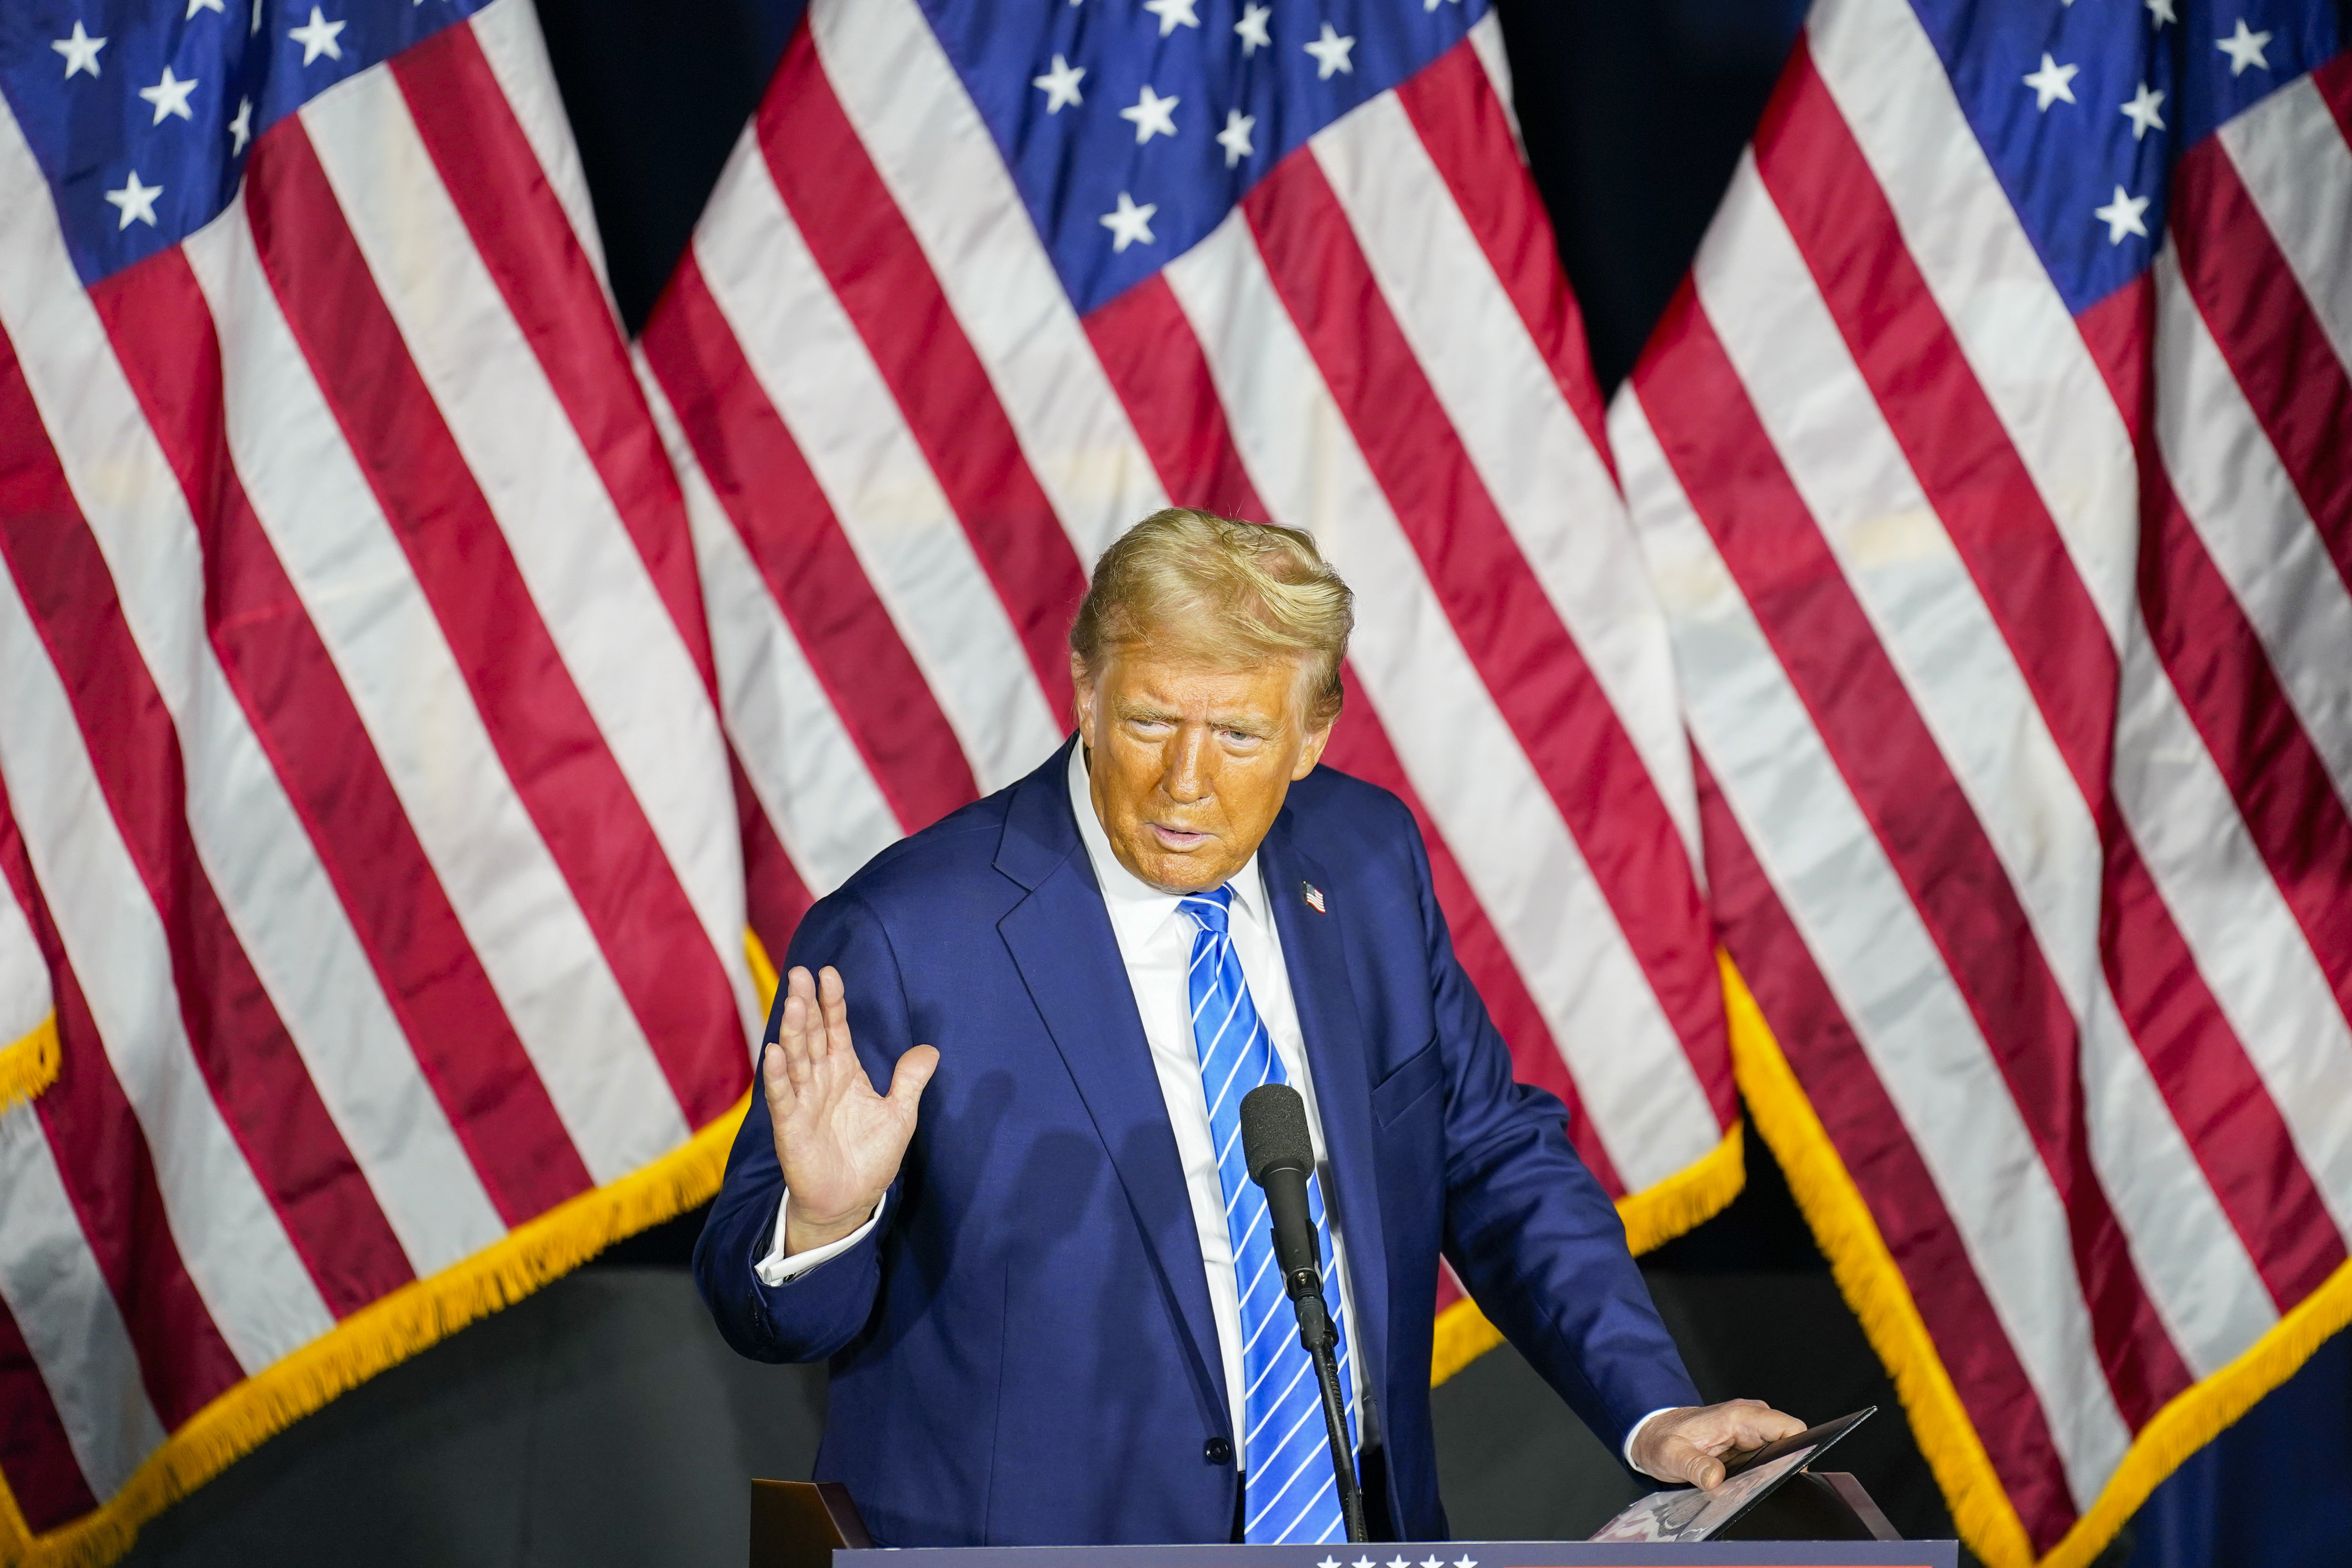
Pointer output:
x,y
1529,1229
812,1315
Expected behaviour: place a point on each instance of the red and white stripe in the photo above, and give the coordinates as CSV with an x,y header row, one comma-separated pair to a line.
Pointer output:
x,y
367,796
903,449
2022,729
27,1001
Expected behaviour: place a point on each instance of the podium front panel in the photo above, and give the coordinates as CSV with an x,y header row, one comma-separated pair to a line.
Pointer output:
x,y
1453,1554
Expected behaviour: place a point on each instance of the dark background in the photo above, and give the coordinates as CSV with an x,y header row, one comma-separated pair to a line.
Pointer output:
x,y
602,1421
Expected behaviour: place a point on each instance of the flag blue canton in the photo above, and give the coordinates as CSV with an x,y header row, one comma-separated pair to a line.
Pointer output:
x,y
142,116
2048,86
1168,112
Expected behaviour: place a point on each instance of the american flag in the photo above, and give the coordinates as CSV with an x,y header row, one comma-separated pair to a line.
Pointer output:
x,y
982,287
1994,467
366,830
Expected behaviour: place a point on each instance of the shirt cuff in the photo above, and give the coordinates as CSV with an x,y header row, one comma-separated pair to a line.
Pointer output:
x,y
1627,1451
776,1268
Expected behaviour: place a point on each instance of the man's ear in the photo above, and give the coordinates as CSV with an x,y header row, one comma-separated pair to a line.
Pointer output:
x,y
1082,699
1313,752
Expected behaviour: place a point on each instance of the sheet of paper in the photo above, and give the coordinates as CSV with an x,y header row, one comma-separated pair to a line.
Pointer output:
x,y
1686,1513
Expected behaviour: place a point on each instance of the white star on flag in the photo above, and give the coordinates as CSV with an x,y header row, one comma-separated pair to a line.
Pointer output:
x,y
1172,14
2162,11
197,6
1433,1562
1328,1562
135,202
1330,52
2051,83
1361,1562
2122,216
1465,1563
169,96
1235,137
2142,111
81,52
1129,223
1061,84
1151,113
2244,49
242,126
317,37
1251,29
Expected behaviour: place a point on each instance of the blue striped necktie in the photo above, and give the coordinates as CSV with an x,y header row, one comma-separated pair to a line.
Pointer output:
x,y
1291,1494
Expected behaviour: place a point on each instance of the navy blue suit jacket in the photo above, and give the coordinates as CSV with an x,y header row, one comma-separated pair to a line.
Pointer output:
x,y
1023,1350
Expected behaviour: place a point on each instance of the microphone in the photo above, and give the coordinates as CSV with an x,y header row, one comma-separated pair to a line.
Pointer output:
x,y
1280,1154
1281,1157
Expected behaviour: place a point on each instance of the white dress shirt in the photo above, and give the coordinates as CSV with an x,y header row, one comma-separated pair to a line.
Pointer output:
x,y
1155,942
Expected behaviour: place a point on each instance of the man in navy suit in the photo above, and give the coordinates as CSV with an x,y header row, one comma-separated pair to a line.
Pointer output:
x,y
1046,1299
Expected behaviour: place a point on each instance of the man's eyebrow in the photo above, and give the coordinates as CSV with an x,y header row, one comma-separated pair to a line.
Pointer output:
x,y
1246,723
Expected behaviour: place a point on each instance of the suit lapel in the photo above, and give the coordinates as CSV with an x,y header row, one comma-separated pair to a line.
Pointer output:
x,y
1061,940
1314,950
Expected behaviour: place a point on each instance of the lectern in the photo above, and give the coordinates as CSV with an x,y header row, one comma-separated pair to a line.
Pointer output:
x,y
801,1524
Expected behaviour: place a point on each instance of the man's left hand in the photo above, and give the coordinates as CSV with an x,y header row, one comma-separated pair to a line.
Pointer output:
x,y
1690,1443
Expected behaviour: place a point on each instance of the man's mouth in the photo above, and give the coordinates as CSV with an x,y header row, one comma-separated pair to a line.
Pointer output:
x,y
1176,838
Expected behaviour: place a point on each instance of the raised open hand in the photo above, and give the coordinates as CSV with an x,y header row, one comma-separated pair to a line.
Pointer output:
x,y
838,1142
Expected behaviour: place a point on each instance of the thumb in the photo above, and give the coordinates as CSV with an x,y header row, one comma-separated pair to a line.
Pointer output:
x,y
1679,1458
911,1075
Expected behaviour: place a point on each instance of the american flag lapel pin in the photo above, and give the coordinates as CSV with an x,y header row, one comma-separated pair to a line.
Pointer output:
x,y
1314,898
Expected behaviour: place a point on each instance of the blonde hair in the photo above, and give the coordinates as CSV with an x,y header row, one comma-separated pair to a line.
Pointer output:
x,y
1230,592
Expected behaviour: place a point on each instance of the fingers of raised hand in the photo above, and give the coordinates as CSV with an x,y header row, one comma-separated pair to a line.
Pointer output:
x,y
794,1027
834,1004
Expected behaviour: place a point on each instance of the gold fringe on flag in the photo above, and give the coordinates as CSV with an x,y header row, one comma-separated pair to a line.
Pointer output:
x,y
30,1065
384,1333
1874,1287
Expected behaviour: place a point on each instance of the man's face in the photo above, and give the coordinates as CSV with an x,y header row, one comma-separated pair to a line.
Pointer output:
x,y
1190,763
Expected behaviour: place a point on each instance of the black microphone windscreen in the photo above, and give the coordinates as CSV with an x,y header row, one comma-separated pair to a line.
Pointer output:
x,y
1274,1131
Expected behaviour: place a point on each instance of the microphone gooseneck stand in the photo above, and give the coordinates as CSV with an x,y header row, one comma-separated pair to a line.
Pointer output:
x,y
1321,1340
1281,1156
